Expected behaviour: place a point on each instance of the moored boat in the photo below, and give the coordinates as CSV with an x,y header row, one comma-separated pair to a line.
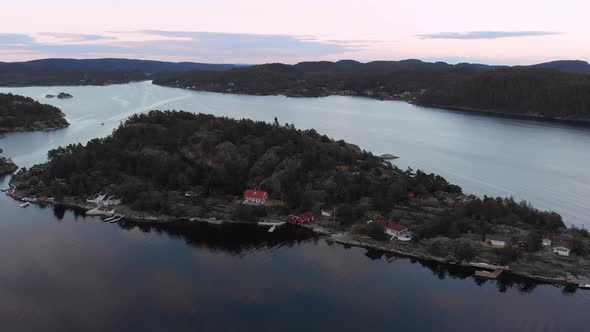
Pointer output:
x,y
25,204
584,286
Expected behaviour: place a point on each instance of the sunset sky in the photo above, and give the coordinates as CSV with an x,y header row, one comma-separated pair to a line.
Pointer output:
x,y
260,31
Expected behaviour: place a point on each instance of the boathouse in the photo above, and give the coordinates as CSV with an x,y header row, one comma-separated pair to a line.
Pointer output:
x,y
562,249
327,213
396,231
302,219
255,197
497,240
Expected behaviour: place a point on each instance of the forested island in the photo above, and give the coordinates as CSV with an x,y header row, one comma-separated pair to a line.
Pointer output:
x,y
19,113
6,165
178,167
556,90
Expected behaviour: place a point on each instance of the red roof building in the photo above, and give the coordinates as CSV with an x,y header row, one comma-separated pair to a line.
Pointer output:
x,y
391,225
397,231
255,197
302,219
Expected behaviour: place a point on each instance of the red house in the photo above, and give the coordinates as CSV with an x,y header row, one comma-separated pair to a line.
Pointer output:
x,y
255,197
302,219
395,230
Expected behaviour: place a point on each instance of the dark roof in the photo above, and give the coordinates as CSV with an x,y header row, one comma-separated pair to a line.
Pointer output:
x,y
391,225
305,216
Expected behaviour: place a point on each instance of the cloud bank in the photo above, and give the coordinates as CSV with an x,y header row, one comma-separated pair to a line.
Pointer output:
x,y
196,46
486,34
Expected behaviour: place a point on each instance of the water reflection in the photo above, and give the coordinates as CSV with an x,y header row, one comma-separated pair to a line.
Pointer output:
x,y
231,239
242,240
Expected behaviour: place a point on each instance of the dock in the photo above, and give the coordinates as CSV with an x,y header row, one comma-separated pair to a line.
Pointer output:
x,y
490,275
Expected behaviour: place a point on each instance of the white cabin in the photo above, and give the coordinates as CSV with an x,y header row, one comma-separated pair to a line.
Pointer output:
x,y
561,251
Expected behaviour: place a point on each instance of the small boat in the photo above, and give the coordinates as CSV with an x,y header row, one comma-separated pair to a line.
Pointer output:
x,y
271,224
25,204
117,219
99,212
487,274
111,218
388,156
584,286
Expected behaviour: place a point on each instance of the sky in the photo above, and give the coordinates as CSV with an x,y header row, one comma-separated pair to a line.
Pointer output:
x,y
261,31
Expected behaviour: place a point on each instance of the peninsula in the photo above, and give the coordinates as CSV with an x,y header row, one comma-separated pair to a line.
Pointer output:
x,y
19,113
556,90
182,168
6,165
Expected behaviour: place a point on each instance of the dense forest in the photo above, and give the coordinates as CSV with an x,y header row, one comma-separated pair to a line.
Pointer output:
x,y
153,159
23,113
177,151
540,92
91,71
558,89
6,165
379,79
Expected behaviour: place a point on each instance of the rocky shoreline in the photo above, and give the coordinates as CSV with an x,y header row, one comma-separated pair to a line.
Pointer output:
x,y
329,232
4,130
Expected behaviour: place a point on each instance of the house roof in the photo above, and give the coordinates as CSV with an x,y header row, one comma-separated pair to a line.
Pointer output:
x,y
494,237
305,216
391,225
250,193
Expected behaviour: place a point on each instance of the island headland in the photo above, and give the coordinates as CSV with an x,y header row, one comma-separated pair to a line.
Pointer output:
x,y
181,168
19,113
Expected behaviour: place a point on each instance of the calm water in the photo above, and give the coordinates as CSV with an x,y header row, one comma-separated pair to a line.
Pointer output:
x,y
62,272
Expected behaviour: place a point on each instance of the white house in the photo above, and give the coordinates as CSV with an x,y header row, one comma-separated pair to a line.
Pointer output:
x,y
562,250
497,240
104,200
547,242
327,213
396,231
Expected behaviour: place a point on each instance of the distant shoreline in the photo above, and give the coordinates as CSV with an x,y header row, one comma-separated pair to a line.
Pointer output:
x,y
461,109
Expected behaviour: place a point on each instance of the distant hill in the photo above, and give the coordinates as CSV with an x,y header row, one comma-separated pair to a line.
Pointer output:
x,y
378,79
557,90
91,71
566,66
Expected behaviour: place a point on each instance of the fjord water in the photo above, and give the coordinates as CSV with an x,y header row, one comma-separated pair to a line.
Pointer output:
x,y
65,272
544,163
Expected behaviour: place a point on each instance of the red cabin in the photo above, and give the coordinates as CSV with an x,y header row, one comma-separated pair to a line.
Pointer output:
x,y
255,197
302,219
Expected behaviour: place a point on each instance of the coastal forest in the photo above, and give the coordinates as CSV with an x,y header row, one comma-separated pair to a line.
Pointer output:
x,y
24,113
152,160
554,90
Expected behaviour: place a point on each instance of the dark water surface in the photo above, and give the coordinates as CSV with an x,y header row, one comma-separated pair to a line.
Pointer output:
x,y
63,272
